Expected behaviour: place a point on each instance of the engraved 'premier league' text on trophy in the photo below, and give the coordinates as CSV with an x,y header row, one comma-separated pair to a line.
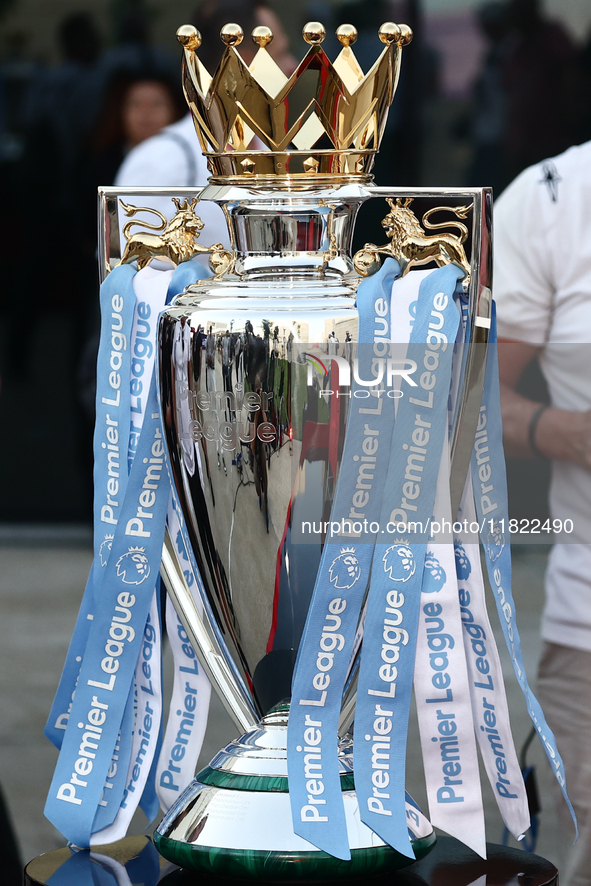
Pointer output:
x,y
247,362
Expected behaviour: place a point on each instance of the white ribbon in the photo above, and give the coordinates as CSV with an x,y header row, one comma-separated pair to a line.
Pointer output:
x,y
487,689
443,694
189,705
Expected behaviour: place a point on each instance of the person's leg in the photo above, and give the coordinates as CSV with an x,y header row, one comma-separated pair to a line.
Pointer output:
x,y
564,691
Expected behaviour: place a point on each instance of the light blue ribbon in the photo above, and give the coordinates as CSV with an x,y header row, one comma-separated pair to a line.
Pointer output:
x,y
111,446
116,293
113,403
114,641
392,613
327,640
489,480
149,802
106,815
185,274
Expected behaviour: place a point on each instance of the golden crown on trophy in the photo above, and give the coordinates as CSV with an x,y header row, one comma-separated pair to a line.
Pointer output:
x,y
322,125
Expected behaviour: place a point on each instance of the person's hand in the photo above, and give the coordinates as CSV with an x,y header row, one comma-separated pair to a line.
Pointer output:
x,y
565,435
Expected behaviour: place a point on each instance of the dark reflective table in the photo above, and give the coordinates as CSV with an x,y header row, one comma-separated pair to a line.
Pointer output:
x,y
135,862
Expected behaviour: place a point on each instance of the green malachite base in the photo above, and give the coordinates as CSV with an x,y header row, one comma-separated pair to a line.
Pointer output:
x,y
274,783
262,865
232,806
272,865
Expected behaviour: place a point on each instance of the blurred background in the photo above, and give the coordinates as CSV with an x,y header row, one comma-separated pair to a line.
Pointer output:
x,y
486,89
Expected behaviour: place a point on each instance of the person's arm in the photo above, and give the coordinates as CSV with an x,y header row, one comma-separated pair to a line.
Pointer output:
x,y
559,433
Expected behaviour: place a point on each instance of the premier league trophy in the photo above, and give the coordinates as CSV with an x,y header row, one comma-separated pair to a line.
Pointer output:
x,y
255,364
323,417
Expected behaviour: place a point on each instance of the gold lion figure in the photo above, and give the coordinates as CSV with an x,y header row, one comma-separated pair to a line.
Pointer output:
x,y
177,240
410,245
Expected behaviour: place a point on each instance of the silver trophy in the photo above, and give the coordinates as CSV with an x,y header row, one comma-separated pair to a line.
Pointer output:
x,y
253,441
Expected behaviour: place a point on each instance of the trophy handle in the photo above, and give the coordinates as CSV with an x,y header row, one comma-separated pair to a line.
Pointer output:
x,y
174,239
196,624
410,244
445,249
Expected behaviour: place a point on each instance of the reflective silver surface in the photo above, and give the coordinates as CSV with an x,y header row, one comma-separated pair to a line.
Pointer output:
x,y
233,694
254,445
251,820
263,750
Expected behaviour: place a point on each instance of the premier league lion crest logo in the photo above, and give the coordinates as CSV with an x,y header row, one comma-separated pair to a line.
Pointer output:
x,y
133,567
345,570
463,565
495,541
399,562
434,576
105,549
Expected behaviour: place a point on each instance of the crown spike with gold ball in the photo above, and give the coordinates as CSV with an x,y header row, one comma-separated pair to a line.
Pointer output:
x,y
321,126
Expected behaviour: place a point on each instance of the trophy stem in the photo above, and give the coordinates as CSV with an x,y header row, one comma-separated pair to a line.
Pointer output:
x,y
280,232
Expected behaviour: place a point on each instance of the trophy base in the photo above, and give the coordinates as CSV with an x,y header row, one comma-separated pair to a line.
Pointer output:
x,y
235,819
258,864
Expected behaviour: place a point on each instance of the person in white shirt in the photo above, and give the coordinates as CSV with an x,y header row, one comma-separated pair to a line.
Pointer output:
x,y
542,287
173,158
